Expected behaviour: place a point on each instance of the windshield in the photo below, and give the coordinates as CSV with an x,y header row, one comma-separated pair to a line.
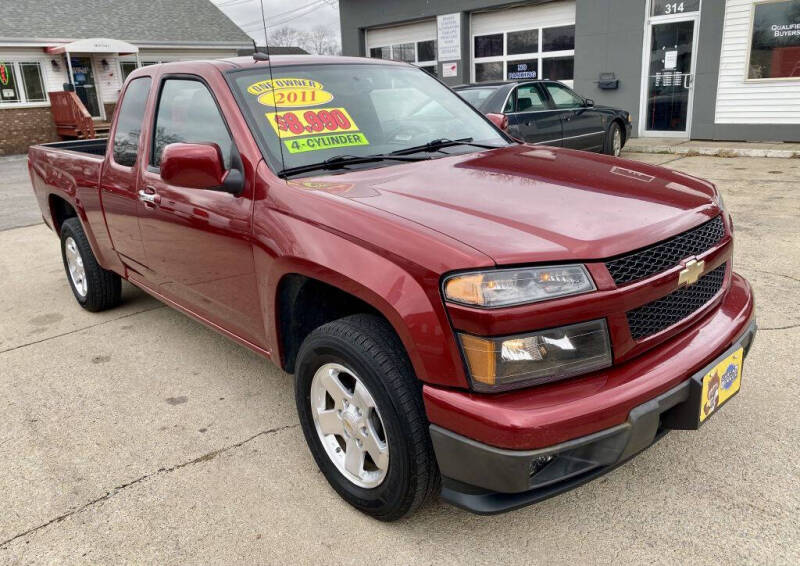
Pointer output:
x,y
316,112
476,96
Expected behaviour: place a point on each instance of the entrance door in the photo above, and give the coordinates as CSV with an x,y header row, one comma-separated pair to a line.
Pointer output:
x,y
670,78
83,79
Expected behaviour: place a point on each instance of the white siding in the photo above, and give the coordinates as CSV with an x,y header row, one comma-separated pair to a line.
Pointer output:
x,y
750,102
107,79
547,15
419,31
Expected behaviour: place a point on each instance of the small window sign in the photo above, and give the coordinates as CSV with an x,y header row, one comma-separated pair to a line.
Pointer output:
x,y
522,70
9,93
665,8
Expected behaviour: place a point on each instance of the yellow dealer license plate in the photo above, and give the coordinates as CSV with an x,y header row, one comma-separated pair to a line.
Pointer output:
x,y
721,383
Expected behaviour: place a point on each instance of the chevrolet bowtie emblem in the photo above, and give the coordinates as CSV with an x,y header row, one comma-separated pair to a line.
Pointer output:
x,y
691,273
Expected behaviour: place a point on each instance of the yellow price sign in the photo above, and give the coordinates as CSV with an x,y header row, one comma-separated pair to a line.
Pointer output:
x,y
293,123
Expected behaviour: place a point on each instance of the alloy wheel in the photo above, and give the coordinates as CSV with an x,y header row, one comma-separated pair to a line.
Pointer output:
x,y
349,425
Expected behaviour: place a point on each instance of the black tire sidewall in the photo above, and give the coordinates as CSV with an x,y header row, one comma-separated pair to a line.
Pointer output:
x,y
68,230
610,138
391,493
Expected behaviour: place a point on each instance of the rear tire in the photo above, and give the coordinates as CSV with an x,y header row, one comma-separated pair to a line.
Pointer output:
x,y
362,352
614,140
96,289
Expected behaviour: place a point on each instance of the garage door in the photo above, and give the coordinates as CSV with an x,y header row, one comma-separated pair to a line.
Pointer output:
x,y
530,42
412,43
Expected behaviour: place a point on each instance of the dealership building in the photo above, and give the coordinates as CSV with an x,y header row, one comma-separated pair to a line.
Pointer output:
x,y
94,45
705,69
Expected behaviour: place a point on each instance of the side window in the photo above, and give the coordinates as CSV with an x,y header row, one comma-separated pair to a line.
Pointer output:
x,y
563,97
188,113
129,121
529,99
509,107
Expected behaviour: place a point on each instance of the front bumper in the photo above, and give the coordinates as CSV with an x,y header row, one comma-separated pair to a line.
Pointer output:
x,y
520,447
486,480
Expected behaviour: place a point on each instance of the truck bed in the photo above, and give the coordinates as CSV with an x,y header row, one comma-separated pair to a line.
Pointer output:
x,y
92,147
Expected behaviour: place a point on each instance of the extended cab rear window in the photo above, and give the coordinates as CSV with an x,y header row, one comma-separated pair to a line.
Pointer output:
x,y
129,121
305,114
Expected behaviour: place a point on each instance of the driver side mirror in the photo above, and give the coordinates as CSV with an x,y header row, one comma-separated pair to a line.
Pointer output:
x,y
588,102
199,166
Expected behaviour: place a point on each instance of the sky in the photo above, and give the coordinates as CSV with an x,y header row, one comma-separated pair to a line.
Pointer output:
x,y
299,14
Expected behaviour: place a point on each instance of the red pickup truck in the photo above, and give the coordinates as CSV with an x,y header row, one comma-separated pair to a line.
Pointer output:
x,y
464,314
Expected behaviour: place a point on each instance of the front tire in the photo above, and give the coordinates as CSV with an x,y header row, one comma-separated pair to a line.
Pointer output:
x,y
614,140
361,411
96,289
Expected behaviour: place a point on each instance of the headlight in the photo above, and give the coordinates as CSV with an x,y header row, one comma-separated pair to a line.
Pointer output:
x,y
718,199
505,287
498,364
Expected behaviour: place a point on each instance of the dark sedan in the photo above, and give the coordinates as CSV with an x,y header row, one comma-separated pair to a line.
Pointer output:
x,y
550,113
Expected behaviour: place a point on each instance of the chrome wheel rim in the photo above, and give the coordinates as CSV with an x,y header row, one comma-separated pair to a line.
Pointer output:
x,y
349,425
77,272
617,142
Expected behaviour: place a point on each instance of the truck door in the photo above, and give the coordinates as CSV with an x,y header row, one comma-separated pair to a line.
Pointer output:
x,y
198,242
533,120
120,177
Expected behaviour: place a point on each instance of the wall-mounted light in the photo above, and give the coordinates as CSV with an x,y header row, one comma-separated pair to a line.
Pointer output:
x,y
104,64
55,64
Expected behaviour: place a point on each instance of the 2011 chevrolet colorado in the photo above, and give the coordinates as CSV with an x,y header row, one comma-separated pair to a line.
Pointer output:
x,y
463,313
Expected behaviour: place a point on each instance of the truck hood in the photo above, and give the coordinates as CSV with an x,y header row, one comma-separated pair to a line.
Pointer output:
x,y
528,204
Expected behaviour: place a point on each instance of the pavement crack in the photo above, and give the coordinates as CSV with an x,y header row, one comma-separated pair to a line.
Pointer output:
x,y
80,329
673,160
779,327
161,471
777,274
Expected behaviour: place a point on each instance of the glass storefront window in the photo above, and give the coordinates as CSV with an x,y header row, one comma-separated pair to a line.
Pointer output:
x,y
775,40
558,68
522,42
403,52
489,71
426,50
558,39
21,83
489,45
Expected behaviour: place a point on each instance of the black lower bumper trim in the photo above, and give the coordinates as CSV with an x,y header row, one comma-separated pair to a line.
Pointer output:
x,y
487,480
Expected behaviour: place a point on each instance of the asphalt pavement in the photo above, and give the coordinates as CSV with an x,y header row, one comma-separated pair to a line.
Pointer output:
x,y
139,436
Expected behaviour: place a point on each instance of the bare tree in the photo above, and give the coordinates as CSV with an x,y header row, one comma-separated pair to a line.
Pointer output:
x,y
321,40
287,36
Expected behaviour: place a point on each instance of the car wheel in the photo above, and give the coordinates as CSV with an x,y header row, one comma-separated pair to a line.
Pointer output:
x,y
95,288
361,411
614,140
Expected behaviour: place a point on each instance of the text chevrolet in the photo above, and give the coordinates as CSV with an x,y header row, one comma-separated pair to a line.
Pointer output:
x,y
463,314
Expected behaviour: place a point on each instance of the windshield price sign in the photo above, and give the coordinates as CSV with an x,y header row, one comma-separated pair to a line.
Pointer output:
x,y
298,122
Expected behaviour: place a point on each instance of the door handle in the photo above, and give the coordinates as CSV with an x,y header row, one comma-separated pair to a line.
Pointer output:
x,y
148,195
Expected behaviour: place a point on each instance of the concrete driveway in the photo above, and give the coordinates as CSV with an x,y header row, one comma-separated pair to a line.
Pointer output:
x,y
138,435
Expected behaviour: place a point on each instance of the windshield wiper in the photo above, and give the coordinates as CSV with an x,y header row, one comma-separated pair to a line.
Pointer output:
x,y
437,144
340,161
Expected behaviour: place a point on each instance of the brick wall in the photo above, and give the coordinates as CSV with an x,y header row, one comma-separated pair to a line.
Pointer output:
x,y
21,127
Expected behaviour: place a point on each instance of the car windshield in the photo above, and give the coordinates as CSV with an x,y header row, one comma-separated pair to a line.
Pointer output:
x,y
307,114
476,96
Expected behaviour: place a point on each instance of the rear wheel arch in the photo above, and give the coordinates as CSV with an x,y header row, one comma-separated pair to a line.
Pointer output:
x,y
60,210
